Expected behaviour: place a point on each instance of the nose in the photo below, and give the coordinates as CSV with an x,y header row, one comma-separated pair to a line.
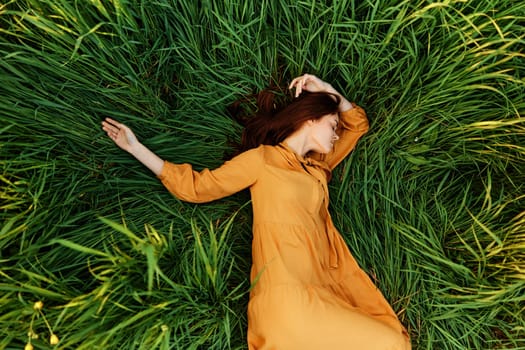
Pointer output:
x,y
335,137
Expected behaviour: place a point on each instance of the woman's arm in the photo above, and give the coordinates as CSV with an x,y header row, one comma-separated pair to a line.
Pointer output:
x,y
208,185
312,83
353,122
126,139
181,179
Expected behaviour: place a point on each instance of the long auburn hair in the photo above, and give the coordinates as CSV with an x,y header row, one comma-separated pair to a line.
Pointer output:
x,y
276,117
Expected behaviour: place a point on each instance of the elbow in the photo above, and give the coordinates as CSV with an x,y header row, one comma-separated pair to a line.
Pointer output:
x,y
366,126
192,197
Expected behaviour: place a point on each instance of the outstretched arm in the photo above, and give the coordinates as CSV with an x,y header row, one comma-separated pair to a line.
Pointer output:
x,y
180,179
126,139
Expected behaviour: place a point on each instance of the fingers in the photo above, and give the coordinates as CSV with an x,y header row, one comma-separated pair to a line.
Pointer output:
x,y
112,123
300,83
112,128
295,81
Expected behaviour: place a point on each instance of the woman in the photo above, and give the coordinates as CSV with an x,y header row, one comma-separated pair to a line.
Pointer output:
x,y
309,292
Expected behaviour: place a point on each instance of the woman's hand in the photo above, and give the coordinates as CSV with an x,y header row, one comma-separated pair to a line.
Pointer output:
x,y
311,83
120,134
125,139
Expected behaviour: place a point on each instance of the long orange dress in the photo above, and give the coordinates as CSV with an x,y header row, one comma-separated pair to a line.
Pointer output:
x,y
308,291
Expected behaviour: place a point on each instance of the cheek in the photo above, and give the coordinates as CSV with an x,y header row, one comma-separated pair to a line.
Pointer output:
x,y
330,132
324,134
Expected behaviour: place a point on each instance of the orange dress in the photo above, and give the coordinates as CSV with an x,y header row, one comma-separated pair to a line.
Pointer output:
x,y
308,291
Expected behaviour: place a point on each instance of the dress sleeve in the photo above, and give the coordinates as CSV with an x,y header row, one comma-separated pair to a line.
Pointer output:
x,y
352,125
207,185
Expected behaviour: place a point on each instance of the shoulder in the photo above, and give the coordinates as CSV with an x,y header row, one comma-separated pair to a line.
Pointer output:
x,y
254,152
262,155
271,153
252,156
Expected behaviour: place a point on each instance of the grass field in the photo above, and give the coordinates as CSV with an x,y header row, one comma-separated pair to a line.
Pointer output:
x,y
431,202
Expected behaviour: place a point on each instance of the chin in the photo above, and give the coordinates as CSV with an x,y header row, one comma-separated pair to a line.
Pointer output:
x,y
325,150
330,148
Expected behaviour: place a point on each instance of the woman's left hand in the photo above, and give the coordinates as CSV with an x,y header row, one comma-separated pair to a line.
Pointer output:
x,y
310,83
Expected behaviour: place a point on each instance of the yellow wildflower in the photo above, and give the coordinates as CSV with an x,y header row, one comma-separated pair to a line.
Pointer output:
x,y
53,340
38,305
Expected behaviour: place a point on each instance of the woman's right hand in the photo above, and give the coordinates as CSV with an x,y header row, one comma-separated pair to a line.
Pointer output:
x,y
120,134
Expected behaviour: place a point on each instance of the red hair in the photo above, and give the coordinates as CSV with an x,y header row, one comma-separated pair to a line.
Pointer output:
x,y
276,119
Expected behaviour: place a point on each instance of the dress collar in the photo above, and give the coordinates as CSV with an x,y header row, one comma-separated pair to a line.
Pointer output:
x,y
291,155
290,152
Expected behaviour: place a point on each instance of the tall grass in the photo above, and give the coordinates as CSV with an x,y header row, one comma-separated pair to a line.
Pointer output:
x,y
431,202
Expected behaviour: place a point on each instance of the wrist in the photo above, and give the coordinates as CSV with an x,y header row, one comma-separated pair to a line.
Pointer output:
x,y
344,104
135,148
330,89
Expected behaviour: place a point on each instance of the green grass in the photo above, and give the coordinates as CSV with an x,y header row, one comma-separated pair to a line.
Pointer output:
x,y
431,202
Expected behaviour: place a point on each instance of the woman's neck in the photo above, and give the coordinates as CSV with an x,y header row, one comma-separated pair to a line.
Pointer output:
x,y
298,143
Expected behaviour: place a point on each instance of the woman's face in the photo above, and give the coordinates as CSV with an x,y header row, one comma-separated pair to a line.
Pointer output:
x,y
323,133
